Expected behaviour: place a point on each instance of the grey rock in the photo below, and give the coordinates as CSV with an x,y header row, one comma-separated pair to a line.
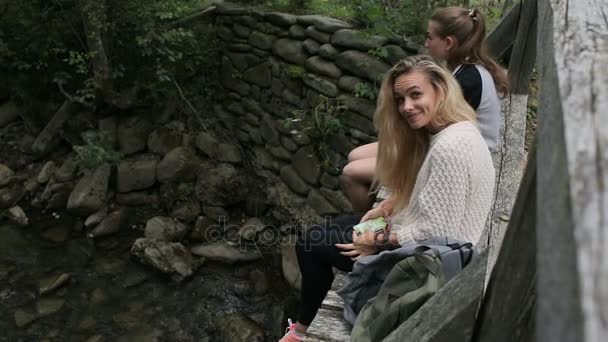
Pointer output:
x,y
289,144
133,134
269,131
358,121
179,165
5,174
252,119
138,198
24,317
261,53
320,204
321,84
260,281
311,46
165,228
9,112
217,214
207,144
96,218
256,136
302,139
237,327
111,224
67,171
222,252
290,97
358,40
225,33
166,138
289,262
330,181
337,199
221,185
228,79
229,153
323,67
307,165
251,228
361,64
238,47
325,24
293,181
90,192
241,31
242,61
281,19
259,74
187,211
360,136
49,306
205,229
17,216
297,31
394,53
52,283
167,257
362,106
45,173
328,51
136,173
340,143
290,50
280,153
317,35
253,106
260,40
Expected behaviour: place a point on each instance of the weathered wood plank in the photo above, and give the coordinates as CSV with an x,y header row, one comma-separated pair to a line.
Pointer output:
x,y
330,326
510,158
573,145
450,314
500,39
507,311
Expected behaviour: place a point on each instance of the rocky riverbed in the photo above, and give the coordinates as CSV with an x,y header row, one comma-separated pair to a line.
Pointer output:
x,y
56,284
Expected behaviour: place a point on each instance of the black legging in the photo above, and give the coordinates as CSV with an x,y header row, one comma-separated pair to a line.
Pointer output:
x,y
317,255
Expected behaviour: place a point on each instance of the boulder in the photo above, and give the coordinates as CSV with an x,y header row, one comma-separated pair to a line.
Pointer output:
x,y
237,327
243,61
132,134
281,19
221,185
136,173
167,257
297,31
179,165
222,252
166,138
111,224
289,262
165,228
321,84
5,174
187,211
261,40
259,74
361,64
328,51
290,50
320,204
317,35
311,46
9,112
293,181
323,67
307,165
90,192
17,216
358,40
46,172
251,228
325,24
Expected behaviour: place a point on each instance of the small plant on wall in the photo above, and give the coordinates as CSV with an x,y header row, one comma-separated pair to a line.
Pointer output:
x,y
365,90
319,123
97,150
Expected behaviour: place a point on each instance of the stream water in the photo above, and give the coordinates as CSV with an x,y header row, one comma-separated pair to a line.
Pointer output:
x,y
103,294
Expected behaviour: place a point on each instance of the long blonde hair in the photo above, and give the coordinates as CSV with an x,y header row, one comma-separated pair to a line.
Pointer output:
x,y
401,149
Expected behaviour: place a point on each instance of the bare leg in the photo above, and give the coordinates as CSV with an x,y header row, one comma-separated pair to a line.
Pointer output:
x,y
364,151
357,177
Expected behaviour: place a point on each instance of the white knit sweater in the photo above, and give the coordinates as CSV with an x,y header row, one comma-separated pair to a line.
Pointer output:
x,y
454,189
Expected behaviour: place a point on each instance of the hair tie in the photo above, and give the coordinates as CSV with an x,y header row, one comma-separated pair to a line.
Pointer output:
x,y
472,14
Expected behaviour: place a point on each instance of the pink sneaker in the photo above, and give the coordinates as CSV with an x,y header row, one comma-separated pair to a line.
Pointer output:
x,y
290,334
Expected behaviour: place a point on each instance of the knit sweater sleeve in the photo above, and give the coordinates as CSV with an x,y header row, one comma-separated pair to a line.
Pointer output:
x,y
439,198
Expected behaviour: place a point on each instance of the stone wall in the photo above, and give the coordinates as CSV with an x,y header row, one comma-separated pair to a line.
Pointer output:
x,y
275,63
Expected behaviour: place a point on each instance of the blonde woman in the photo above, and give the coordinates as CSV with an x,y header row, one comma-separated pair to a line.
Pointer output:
x,y
455,35
437,166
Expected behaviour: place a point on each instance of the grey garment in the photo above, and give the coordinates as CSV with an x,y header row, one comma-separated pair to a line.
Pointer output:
x,y
485,101
368,274
488,112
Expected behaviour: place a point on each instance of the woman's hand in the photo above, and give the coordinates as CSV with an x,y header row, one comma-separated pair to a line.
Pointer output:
x,y
362,245
373,213
384,209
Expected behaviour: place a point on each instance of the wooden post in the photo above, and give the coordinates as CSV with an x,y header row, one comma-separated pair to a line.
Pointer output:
x,y
573,171
509,160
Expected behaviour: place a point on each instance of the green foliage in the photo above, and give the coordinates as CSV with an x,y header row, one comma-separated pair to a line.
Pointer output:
x,y
97,150
45,42
365,90
294,71
379,52
319,123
